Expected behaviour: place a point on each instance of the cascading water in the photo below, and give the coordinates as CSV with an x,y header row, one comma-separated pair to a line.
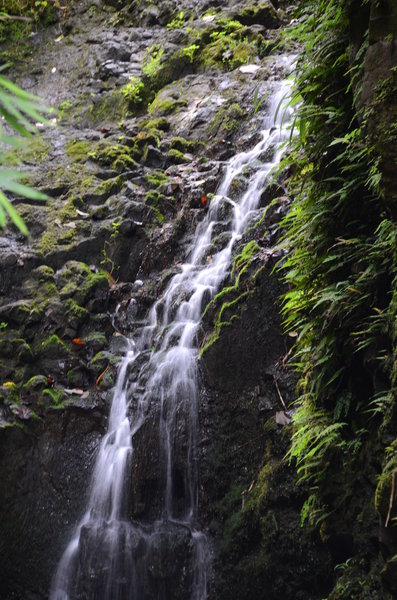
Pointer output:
x,y
110,557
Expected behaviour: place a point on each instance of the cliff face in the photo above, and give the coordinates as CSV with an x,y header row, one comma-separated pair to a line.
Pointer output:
x,y
152,103
153,100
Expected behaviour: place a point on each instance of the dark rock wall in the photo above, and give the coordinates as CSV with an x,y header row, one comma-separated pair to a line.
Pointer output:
x,y
45,474
151,103
250,495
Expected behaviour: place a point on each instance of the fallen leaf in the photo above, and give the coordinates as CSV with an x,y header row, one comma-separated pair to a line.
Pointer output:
x,y
101,375
282,418
78,342
71,225
9,384
81,213
75,391
204,200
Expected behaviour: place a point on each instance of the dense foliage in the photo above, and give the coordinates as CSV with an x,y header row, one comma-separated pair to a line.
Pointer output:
x,y
19,111
341,299
19,17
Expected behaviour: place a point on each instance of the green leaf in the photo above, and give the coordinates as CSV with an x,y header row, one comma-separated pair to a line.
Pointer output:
x,y
13,214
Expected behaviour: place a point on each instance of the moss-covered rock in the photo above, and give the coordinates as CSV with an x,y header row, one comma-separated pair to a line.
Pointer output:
x,y
78,281
115,155
262,13
78,149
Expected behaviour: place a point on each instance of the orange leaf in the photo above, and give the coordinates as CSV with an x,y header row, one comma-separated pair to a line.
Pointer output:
x,y
101,375
204,200
78,342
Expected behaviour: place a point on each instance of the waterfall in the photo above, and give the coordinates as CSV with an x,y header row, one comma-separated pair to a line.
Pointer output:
x,y
110,557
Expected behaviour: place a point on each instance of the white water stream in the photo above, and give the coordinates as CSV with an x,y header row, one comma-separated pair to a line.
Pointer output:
x,y
109,557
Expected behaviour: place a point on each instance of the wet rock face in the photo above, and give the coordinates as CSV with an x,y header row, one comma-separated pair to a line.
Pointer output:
x,y
249,494
144,558
45,473
152,102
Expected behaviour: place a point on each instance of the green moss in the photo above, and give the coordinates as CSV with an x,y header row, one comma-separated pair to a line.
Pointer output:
x,y
48,243
260,12
33,150
106,188
64,110
44,273
226,120
110,107
156,178
142,141
77,281
178,21
96,338
116,155
12,392
74,377
223,319
78,149
54,345
17,346
182,144
227,300
56,397
228,48
28,18
245,256
49,290
75,311
176,157
101,361
53,238
166,106
35,383
154,198
155,125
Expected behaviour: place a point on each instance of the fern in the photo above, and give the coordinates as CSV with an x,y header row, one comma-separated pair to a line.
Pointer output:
x,y
341,266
